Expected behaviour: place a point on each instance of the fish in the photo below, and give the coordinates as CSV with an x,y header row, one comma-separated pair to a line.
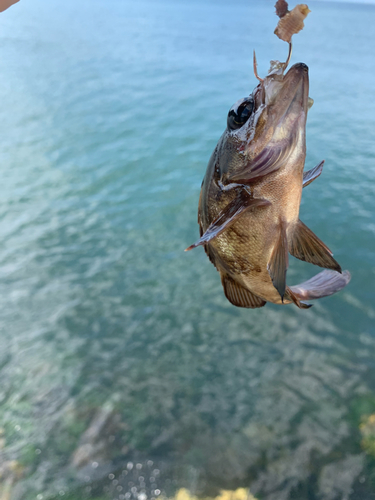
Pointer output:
x,y
250,198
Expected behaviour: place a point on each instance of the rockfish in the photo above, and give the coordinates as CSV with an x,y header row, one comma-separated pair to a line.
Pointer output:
x,y
250,198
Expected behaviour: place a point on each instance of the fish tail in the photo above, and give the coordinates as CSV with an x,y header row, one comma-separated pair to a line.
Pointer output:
x,y
321,285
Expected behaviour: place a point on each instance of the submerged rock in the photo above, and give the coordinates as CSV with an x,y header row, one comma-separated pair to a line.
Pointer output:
x,y
238,494
337,479
97,439
367,428
11,471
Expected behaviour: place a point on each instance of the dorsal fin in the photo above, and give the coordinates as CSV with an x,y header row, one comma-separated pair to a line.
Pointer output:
x,y
305,245
312,174
279,261
230,214
238,295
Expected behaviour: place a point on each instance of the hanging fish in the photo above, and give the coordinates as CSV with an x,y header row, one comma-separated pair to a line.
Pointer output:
x,y
249,203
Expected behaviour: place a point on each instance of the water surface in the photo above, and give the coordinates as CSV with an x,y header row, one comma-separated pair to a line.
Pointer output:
x,y
120,357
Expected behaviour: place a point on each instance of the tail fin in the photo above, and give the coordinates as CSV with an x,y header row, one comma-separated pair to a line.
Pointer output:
x,y
321,285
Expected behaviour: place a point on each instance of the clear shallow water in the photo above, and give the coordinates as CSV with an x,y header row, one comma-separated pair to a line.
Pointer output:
x,y
118,348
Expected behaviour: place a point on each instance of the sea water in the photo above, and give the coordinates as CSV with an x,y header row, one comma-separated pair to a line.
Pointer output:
x,y
124,371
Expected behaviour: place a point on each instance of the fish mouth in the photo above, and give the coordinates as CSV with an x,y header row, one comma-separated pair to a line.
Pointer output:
x,y
280,102
297,78
279,123
288,99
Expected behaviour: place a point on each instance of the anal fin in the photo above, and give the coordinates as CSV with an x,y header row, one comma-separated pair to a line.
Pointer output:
x,y
238,295
243,201
312,174
305,245
279,261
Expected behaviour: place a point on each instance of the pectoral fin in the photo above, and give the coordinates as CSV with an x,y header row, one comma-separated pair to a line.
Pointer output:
x,y
312,174
279,261
305,245
268,161
243,201
321,285
238,295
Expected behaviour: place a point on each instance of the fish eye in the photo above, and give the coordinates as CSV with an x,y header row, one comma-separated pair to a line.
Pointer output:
x,y
240,112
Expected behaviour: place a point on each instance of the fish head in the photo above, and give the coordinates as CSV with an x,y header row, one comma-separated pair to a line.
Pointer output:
x,y
267,128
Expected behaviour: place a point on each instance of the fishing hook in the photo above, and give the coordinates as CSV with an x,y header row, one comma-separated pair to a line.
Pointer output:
x,y
255,68
289,56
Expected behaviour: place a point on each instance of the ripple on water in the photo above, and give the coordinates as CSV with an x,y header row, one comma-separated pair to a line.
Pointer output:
x,y
125,372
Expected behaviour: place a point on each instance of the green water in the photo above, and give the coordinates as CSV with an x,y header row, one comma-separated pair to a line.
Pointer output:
x,y
120,357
